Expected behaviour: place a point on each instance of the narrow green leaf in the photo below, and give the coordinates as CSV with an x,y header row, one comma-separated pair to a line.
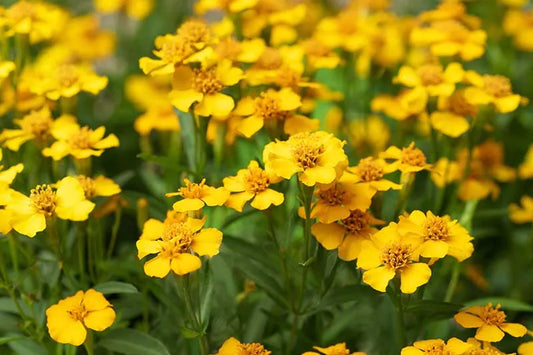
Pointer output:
x,y
5,340
507,304
133,342
115,287
433,309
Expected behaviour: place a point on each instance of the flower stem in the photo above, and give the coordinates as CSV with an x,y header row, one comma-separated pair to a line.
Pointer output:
x,y
407,180
13,253
402,340
89,343
81,227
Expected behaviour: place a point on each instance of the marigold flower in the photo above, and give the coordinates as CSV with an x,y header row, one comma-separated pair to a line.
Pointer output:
x,y
337,349
232,346
491,89
441,236
408,159
432,77
408,103
196,196
525,348
36,125
371,170
389,254
79,142
517,23
451,117
137,9
232,6
252,183
525,170
66,201
523,213
483,348
68,320
445,172
348,235
98,186
316,157
178,243
490,323
453,346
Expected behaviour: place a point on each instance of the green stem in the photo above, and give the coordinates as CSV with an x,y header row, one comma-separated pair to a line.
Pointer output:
x,y
114,232
402,340
407,180
89,343
453,281
14,254
81,228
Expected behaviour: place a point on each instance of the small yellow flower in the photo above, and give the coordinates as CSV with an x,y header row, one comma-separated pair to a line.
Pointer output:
x,y
232,6
451,117
79,142
408,103
390,254
445,172
98,186
408,159
252,183
316,157
517,23
245,51
453,346
525,348
524,213
232,347
68,320
66,201
490,323
371,170
491,89
432,77
137,9
178,243
337,349
525,170
196,196
484,348
371,134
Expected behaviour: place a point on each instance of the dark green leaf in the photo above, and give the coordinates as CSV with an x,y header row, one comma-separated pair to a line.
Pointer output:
x,y
433,310
506,303
133,342
115,287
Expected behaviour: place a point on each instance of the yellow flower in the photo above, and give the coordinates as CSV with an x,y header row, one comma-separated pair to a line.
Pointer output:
x,y
490,323
454,346
491,89
483,348
66,201
196,196
525,170
337,349
525,348
245,51
451,117
6,67
517,23
36,125
98,186
68,320
408,103
232,347
161,119
523,214
274,63
348,235
390,254
252,183
371,170
316,157
79,142
232,6
432,77
203,86
137,9
178,243
370,134
441,236
6,178
319,55
408,159
445,172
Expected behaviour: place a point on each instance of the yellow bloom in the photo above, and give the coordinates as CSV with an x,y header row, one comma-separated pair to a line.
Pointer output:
x,y
66,201
68,320
525,170
445,172
348,235
232,347
371,134
232,6
79,142
203,86
316,157
483,348
408,159
408,103
196,196
491,89
454,346
319,55
390,254
245,51
161,119
6,178
146,92
137,9
524,213
178,243
525,348
252,183
37,125
517,23
371,170
490,323
337,349
441,236
432,77
451,117
275,63
6,67
98,186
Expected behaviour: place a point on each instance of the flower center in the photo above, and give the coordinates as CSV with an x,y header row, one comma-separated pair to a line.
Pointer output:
x,y
287,77
396,256
307,150
177,230
253,349
229,48
21,10
78,313
356,222
256,180
436,349
38,124
413,156
334,196
368,170
174,49
81,139
194,31
43,199
430,74
206,81
267,107
88,185
436,229
493,315
192,190
270,59
497,85
460,106
490,154
67,75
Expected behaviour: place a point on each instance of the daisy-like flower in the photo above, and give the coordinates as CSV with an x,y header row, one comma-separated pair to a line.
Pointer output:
x,y
441,235
445,172
490,323
371,134
252,184
348,235
453,111
6,178
485,348
178,243
203,86
523,213
197,195
453,346
333,350
76,141
408,159
66,200
525,170
371,170
231,6
68,320
98,186
137,9
491,89
390,254
36,125
436,80
408,103
232,346
316,157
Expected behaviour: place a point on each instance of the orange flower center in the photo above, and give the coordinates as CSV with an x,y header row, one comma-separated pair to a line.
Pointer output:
x,y
460,106
287,77
490,154
37,124
497,85
413,156
43,199
179,231
174,50
206,81
67,75
436,228
356,222
267,107
436,349
396,256
229,48
430,74
333,196
270,59
493,315
316,48
253,349
368,170
256,180
192,190
194,31
21,10
81,139
78,313
88,185
306,150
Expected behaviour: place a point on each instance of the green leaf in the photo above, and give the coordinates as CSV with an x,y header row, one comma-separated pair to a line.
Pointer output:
x,y
162,161
133,342
27,346
188,333
507,304
341,295
433,310
5,340
115,287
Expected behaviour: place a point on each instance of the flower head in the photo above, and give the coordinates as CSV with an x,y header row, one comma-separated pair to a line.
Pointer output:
x,y
337,349
98,186
232,347
432,77
523,213
197,195
408,159
371,170
453,346
491,89
37,125
68,320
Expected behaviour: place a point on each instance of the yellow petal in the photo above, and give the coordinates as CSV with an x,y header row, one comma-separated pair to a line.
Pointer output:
x,y
298,123
378,278
71,203
188,204
65,329
216,196
507,104
207,242
237,201
100,320
147,247
468,320
515,329
411,350
94,300
265,199
30,225
434,249
183,99
407,76
217,104
105,187
152,229
157,267
448,123
351,247
413,276
328,235
490,333
250,126
185,263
